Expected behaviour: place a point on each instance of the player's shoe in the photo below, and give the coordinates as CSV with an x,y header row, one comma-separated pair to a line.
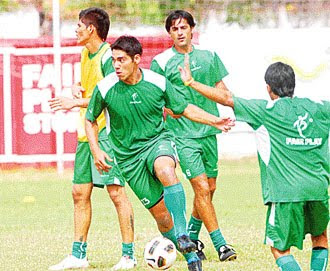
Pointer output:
x,y
199,249
227,253
125,263
70,262
185,245
195,266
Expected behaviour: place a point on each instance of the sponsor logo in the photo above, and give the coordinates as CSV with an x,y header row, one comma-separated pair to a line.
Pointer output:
x,y
194,66
302,124
135,99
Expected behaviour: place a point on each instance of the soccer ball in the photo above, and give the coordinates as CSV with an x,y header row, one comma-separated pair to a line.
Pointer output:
x,y
160,253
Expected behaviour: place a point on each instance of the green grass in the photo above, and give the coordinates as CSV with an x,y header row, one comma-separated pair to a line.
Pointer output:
x,y
34,235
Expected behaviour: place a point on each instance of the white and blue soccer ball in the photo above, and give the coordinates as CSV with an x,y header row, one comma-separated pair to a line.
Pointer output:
x,y
160,253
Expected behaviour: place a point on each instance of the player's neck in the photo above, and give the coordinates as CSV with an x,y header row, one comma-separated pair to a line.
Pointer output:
x,y
184,49
93,45
135,78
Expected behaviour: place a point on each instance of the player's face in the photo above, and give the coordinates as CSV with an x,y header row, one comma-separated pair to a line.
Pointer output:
x,y
124,65
83,33
181,33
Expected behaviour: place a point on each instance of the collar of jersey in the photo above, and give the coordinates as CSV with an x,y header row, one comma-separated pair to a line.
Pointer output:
x,y
175,51
90,56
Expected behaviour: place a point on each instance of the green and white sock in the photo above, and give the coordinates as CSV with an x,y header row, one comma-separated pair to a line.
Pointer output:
x,y
319,259
217,239
79,249
194,228
175,201
128,249
288,263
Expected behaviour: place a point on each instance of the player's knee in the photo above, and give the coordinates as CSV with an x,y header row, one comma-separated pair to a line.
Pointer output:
x,y
202,190
212,189
78,195
117,195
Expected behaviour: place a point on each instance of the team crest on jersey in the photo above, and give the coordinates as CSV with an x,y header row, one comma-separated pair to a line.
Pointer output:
x,y
301,124
135,99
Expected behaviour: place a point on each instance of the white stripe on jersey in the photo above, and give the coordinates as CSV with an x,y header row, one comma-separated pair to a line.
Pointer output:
x,y
164,57
106,83
263,144
106,56
154,78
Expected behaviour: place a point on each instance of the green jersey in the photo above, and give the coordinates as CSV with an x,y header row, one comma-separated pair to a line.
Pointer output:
x,y
207,68
136,112
292,137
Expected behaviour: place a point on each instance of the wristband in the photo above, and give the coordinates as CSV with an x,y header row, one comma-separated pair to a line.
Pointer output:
x,y
187,83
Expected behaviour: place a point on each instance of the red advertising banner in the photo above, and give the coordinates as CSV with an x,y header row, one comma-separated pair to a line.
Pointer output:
x,y
2,122
34,125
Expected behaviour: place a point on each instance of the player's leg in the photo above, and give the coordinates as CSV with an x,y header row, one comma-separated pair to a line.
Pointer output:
x,y
115,183
166,227
281,237
126,223
199,160
317,218
81,194
175,200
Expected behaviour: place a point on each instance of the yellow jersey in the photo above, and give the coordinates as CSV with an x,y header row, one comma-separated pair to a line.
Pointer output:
x,y
92,71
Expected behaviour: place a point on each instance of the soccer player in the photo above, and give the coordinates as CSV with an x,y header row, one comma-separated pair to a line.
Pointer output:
x,y
134,99
96,62
293,139
196,143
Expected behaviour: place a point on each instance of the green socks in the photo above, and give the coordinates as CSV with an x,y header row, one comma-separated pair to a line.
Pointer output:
x,y
194,227
175,201
190,257
217,239
288,263
128,249
319,259
79,249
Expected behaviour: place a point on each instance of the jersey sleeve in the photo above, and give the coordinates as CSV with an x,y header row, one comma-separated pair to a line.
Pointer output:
x,y
156,68
106,63
250,111
219,67
174,100
95,106
325,109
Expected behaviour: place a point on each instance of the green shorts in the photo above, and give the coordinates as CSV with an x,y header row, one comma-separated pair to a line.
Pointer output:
x,y
86,172
288,222
140,174
198,155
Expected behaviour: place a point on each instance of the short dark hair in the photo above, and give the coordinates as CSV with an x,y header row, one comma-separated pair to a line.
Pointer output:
x,y
128,44
97,17
281,79
179,14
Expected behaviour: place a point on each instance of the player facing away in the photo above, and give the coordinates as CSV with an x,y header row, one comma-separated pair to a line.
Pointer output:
x,y
134,99
96,62
196,143
292,140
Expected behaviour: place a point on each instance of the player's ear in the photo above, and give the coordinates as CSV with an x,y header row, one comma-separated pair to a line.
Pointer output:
x,y
90,28
137,59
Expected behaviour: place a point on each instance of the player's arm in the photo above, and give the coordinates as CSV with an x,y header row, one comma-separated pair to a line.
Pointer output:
x,y
94,109
176,102
197,114
219,94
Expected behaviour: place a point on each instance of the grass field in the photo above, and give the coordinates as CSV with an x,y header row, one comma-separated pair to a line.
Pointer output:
x,y
36,222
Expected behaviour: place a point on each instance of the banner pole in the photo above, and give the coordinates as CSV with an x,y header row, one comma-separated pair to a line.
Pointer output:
x,y
58,82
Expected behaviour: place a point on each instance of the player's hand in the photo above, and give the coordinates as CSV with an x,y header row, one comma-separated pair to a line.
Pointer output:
x,y
185,71
100,161
224,124
77,91
170,112
61,103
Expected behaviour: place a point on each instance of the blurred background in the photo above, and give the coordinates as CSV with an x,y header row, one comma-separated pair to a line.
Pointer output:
x,y
39,59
